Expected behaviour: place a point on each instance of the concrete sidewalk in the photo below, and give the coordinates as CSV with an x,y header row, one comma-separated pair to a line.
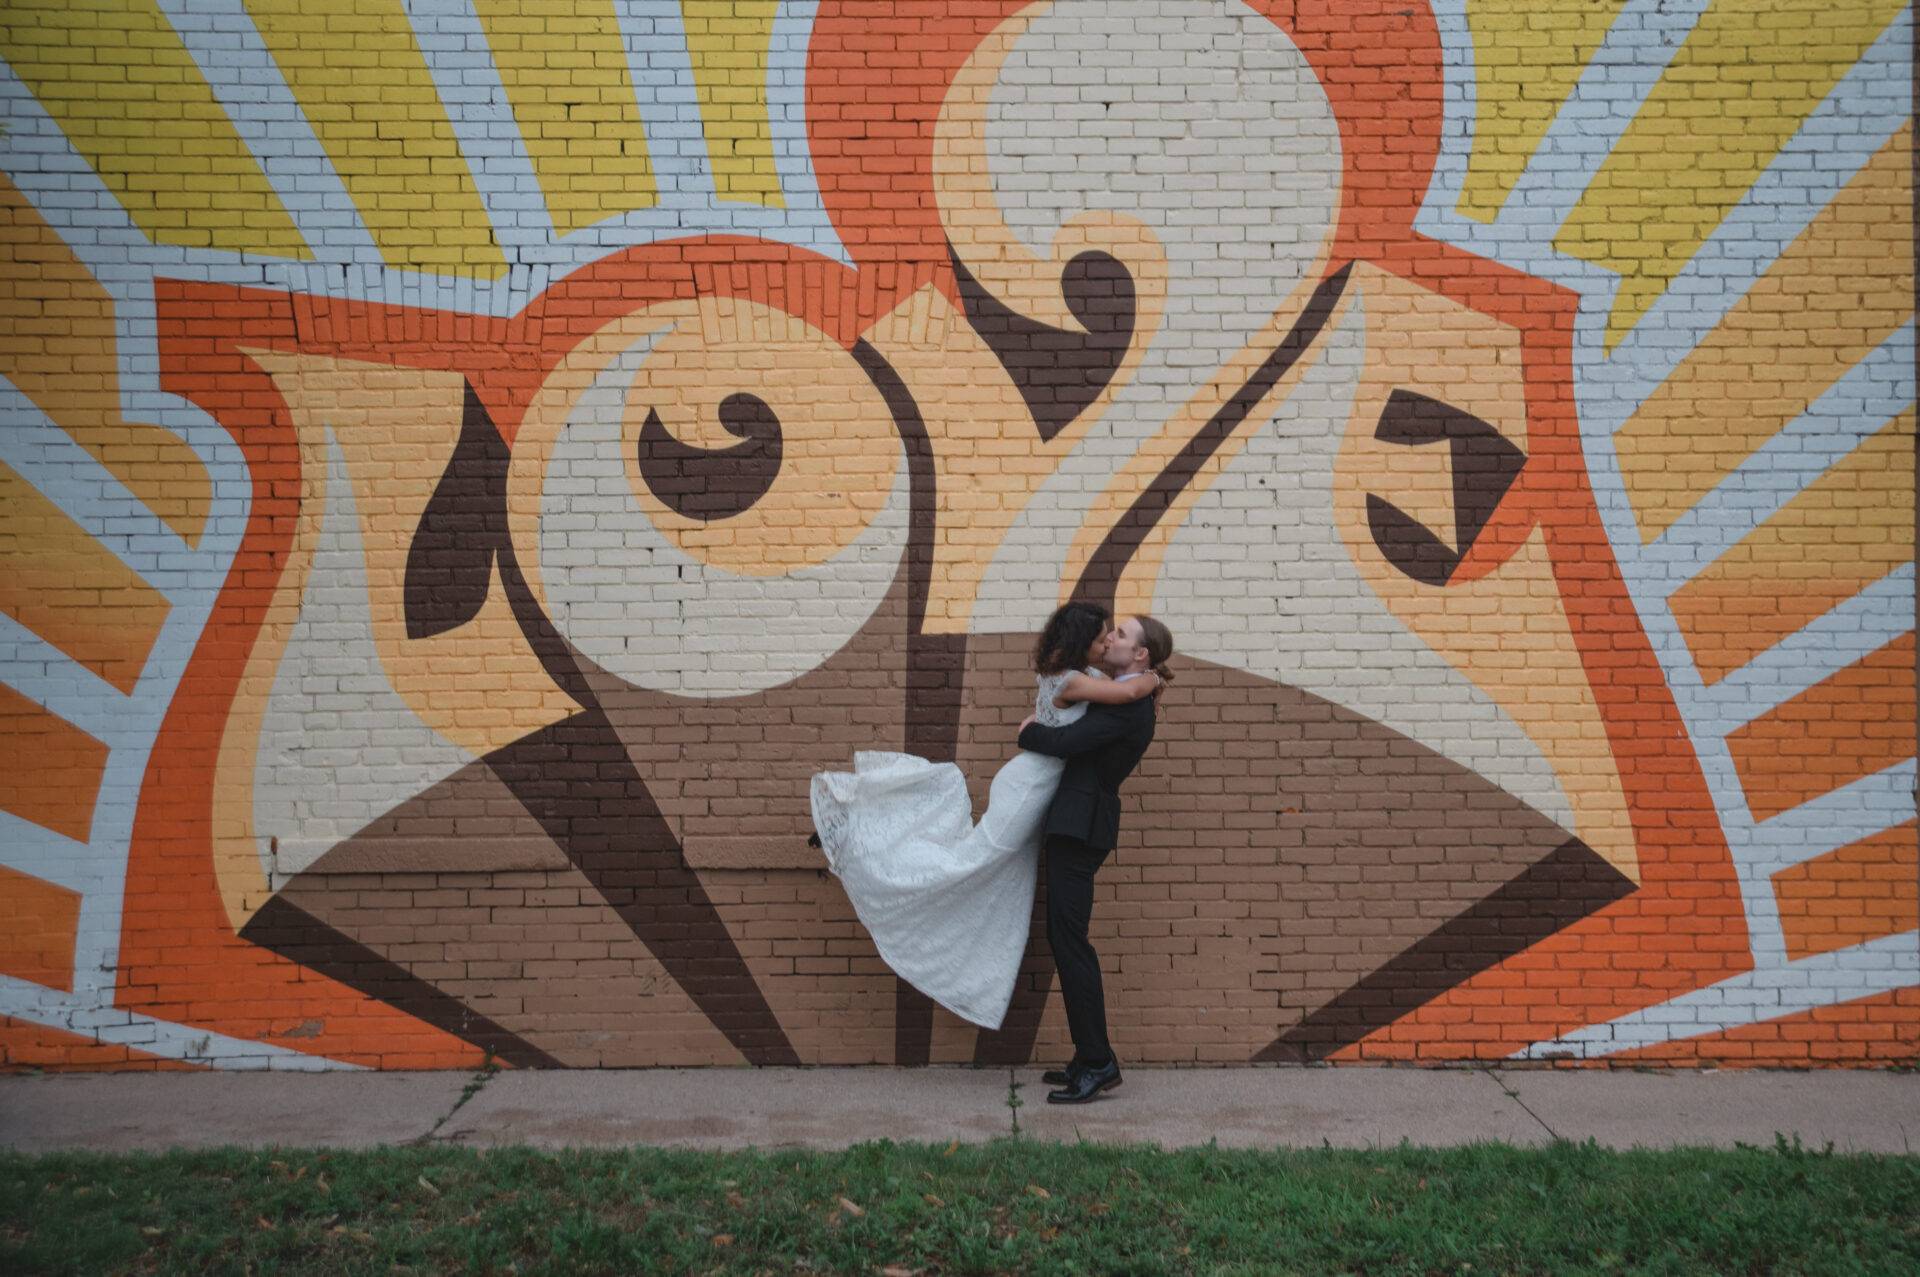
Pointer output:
x,y
832,1108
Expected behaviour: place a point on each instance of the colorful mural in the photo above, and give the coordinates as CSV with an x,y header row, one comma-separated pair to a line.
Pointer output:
x,y
468,465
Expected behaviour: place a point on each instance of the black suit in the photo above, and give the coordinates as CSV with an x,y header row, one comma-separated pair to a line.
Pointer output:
x,y
1082,826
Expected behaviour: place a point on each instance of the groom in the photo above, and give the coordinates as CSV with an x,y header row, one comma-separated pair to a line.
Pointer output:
x,y
1081,828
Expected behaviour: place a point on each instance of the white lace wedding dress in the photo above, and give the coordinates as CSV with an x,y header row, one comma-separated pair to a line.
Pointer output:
x,y
947,901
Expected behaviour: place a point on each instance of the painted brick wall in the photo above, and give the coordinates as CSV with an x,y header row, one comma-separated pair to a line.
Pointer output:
x,y
466,466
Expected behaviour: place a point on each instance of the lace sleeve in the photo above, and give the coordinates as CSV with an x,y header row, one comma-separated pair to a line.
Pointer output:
x,y
1045,712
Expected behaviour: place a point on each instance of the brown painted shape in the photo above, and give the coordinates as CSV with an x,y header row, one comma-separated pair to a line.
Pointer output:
x,y
1101,578
579,783
468,823
936,686
935,672
294,934
1484,465
731,778
983,477
922,483
801,938
912,1025
1535,665
1058,371
730,775
449,569
713,483
837,434
1565,886
731,781
688,811
1012,1043
461,886
1276,850
399,430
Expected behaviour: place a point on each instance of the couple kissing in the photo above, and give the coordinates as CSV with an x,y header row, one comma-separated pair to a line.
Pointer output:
x,y
947,899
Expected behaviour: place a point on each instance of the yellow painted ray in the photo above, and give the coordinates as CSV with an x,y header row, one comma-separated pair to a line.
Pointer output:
x,y
1849,528
59,582
1736,92
39,920
1851,724
1859,892
359,76
1526,60
1839,291
573,98
728,41
62,354
53,770
116,79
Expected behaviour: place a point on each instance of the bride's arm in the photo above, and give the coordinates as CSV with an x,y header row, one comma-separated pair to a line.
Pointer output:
x,y
1106,691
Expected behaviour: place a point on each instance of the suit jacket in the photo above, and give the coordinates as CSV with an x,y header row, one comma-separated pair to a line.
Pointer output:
x,y
1101,751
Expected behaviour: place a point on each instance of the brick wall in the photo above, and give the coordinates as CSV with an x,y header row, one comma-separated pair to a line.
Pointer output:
x,y
466,467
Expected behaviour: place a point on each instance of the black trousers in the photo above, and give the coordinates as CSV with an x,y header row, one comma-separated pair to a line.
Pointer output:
x,y
1071,865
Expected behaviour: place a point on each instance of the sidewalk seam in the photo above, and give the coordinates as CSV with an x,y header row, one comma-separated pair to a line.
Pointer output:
x,y
475,1084
1514,1095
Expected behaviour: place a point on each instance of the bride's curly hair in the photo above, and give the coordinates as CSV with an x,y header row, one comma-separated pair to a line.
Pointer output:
x,y
1069,634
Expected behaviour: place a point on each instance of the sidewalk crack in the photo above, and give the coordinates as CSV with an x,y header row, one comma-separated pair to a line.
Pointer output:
x,y
1014,1101
474,1086
1514,1095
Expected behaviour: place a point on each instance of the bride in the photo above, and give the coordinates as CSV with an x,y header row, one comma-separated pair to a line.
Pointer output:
x,y
946,900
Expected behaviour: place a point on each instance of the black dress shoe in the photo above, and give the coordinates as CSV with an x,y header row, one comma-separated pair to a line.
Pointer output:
x,y
1060,1077
1086,1083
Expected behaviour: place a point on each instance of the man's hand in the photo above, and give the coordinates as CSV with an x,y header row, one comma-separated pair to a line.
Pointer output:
x,y
1025,723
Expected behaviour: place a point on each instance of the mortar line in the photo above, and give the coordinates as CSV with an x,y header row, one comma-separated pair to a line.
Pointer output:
x,y
1514,1095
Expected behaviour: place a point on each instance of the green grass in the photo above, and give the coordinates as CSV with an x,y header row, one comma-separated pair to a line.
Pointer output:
x,y
1009,1206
